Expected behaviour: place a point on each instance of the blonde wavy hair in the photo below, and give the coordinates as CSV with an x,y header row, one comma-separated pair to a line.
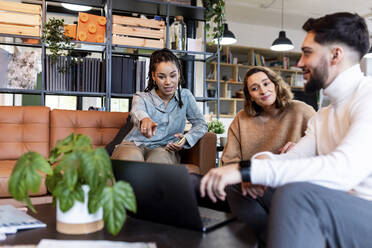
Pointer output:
x,y
283,91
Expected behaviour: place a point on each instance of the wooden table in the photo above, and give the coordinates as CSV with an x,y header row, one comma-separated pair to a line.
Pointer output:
x,y
235,234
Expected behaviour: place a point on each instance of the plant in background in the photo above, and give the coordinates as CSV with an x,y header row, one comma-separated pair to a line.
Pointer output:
x,y
55,39
72,163
215,17
216,126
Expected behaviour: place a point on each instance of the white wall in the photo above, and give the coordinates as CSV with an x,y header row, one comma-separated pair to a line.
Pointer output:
x,y
368,66
263,36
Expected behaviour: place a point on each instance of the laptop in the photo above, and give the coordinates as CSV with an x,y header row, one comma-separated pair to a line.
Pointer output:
x,y
165,195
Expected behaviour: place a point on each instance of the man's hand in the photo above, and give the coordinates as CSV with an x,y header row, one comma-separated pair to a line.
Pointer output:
x,y
253,190
178,145
287,147
215,181
148,127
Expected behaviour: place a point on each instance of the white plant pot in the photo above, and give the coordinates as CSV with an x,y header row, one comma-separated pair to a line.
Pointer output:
x,y
78,220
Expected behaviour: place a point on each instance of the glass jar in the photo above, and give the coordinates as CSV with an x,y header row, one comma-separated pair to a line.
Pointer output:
x,y
178,34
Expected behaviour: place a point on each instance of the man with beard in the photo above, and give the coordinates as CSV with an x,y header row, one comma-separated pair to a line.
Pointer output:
x,y
324,184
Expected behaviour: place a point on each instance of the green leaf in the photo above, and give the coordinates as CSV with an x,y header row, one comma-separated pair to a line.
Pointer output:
x,y
69,164
95,196
51,181
73,142
114,201
216,126
96,167
26,176
67,197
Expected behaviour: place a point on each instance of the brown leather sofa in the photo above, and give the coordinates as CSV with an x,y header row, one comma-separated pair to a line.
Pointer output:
x,y
38,128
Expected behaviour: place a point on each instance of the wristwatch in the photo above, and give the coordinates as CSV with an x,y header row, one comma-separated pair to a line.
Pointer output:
x,y
245,170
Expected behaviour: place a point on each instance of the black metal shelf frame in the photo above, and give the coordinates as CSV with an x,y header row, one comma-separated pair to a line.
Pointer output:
x,y
147,7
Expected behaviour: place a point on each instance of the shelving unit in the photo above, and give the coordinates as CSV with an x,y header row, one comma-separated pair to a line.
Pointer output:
x,y
107,49
236,60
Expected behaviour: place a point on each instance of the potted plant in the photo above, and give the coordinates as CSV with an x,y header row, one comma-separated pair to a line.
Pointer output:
x,y
55,39
73,167
215,17
217,127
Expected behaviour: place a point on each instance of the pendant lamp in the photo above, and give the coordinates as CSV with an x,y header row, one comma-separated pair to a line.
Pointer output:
x,y
369,54
76,7
282,43
227,38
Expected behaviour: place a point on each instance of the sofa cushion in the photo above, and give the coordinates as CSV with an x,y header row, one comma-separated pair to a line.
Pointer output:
x,y
6,168
23,129
100,127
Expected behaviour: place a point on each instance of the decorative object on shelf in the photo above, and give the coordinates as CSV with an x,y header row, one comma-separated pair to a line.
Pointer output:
x,y
134,31
23,68
56,41
178,34
227,38
215,17
239,94
282,43
75,171
91,28
20,19
216,126
211,91
70,30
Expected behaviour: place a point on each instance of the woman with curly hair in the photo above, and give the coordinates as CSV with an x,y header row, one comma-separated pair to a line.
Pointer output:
x,y
159,115
270,121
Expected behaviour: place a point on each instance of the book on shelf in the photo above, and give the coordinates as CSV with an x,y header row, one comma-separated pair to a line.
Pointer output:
x,y
73,74
128,74
259,60
116,73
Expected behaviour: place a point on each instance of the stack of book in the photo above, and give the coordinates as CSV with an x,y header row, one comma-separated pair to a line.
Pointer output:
x,y
128,74
71,74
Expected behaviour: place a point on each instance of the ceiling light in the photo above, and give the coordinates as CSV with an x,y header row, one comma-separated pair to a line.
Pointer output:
x,y
76,7
282,43
227,38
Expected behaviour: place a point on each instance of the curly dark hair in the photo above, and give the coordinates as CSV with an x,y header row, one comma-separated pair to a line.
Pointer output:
x,y
283,91
346,28
164,55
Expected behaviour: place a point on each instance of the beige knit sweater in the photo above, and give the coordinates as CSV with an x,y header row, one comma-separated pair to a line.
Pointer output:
x,y
250,135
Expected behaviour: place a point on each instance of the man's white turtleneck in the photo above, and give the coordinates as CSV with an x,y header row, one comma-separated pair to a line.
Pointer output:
x,y
335,152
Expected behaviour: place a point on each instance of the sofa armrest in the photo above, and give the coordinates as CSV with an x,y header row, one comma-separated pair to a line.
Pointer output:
x,y
202,154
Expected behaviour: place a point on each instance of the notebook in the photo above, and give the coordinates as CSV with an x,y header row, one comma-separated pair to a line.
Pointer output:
x,y
165,195
11,218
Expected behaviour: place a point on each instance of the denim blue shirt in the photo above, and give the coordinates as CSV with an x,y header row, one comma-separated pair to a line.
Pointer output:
x,y
171,119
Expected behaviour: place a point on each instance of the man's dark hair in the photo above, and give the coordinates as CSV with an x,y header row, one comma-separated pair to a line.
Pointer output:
x,y
347,28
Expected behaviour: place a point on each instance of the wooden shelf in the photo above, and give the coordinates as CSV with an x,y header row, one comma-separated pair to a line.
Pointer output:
x,y
245,58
